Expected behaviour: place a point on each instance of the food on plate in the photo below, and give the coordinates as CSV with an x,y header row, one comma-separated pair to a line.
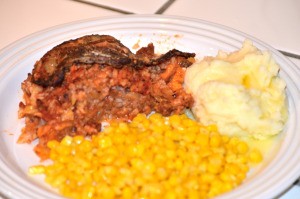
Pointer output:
x,y
240,92
150,157
151,148
81,83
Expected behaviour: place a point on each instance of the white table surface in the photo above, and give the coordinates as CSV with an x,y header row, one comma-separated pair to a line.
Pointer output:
x,y
275,22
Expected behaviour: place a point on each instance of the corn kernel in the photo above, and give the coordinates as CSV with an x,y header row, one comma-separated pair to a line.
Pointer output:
x,y
67,141
170,195
255,156
78,139
215,141
161,173
212,128
127,193
107,192
149,167
242,147
52,144
85,146
37,169
202,139
105,142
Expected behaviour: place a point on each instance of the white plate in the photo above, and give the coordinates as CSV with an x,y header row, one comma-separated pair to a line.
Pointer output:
x,y
166,32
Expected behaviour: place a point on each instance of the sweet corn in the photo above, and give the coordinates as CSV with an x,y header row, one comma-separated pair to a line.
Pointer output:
x,y
155,157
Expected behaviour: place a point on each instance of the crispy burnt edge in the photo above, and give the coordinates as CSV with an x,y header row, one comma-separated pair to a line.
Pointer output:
x,y
101,49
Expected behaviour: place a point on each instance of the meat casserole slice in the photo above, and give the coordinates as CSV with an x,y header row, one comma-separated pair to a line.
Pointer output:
x,y
81,83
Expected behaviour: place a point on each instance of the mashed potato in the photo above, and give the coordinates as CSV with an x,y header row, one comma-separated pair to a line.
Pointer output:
x,y
240,92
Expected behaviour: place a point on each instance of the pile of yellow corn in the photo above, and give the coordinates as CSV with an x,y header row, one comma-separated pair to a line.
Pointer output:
x,y
155,157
